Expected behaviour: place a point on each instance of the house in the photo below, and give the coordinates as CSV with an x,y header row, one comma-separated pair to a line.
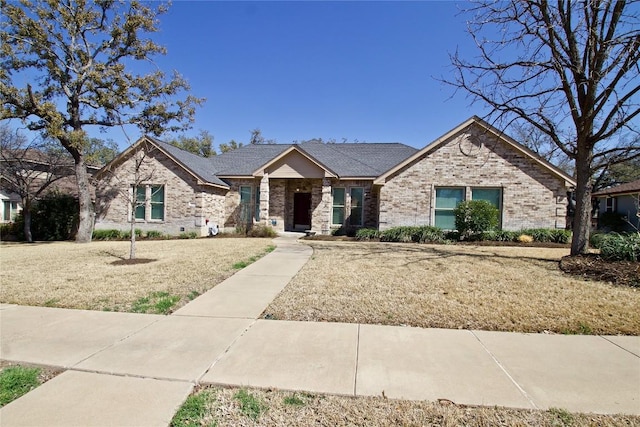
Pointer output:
x,y
34,174
323,187
617,207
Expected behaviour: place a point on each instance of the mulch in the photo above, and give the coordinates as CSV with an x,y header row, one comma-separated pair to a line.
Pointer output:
x,y
594,267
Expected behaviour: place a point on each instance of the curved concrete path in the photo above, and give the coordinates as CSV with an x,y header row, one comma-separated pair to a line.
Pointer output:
x,y
136,369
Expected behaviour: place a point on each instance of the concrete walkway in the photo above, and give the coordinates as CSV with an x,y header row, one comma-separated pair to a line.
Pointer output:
x,y
135,369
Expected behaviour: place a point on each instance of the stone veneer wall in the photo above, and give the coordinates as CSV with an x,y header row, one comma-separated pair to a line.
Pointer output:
x,y
232,200
187,205
532,196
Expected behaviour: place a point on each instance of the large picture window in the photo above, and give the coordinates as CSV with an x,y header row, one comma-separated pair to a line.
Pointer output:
x,y
337,214
357,204
446,201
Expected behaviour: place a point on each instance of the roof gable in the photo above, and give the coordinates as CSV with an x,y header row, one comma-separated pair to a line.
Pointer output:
x,y
194,165
476,121
294,163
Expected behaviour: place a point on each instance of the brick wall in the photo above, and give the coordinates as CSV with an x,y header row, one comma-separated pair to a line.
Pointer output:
x,y
186,204
531,195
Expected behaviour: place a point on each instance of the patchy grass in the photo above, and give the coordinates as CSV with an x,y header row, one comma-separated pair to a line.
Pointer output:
x,y
221,408
501,288
84,276
17,380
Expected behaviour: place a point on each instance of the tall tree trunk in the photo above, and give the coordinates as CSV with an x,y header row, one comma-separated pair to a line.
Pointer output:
x,y
85,225
582,215
26,215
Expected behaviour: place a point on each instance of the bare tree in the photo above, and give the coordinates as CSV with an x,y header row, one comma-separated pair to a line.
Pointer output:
x,y
568,69
129,182
29,169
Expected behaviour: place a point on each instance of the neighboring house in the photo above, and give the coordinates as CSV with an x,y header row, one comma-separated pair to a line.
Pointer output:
x,y
622,201
35,173
323,187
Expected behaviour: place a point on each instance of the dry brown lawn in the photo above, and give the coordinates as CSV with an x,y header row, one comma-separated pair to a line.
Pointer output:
x,y
454,286
93,276
223,407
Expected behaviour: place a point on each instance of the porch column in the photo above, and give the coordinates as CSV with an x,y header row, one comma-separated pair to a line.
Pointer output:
x,y
325,206
264,199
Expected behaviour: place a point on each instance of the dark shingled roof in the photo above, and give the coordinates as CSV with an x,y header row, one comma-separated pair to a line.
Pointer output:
x,y
197,164
364,160
629,187
354,160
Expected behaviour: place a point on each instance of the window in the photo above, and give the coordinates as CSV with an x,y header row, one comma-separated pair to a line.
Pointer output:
x,y
491,195
257,202
141,202
610,204
10,210
157,202
357,199
149,202
446,201
337,217
245,203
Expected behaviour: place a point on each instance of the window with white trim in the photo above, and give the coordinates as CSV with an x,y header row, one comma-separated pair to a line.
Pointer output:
x,y
357,205
610,204
149,202
9,210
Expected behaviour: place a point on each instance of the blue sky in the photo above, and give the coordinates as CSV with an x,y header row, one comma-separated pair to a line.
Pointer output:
x,y
299,70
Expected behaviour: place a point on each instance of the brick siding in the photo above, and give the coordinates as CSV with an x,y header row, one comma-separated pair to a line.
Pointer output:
x,y
531,195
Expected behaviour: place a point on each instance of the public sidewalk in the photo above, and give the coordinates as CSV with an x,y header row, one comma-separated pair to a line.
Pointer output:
x,y
136,369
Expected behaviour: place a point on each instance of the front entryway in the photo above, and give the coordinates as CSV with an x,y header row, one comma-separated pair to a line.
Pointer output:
x,y
301,211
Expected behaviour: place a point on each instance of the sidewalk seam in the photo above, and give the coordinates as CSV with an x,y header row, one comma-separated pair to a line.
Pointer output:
x,y
113,344
619,346
226,350
495,359
355,375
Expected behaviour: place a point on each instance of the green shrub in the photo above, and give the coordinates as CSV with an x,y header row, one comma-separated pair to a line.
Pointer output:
x,y
408,234
562,236
620,247
475,217
189,235
366,234
54,217
107,234
348,231
501,236
154,234
261,230
596,239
